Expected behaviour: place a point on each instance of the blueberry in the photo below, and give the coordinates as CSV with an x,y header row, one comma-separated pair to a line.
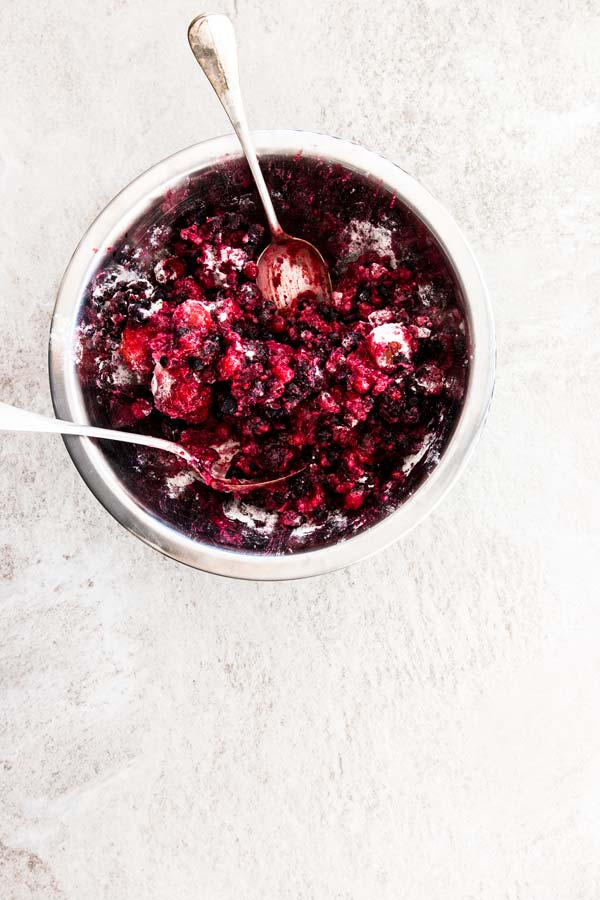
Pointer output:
x,y
324,434
224,404
228,406
275,455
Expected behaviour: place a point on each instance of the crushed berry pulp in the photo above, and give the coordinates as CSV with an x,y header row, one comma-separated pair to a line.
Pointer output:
x,y
361,393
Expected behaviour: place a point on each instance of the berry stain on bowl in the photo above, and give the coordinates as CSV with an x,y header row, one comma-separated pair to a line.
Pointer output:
x,y
361,393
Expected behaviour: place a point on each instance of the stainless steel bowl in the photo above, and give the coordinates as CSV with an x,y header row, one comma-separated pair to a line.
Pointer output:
x,y
129,207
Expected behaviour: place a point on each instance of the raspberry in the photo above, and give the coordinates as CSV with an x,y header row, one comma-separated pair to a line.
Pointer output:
x,y
127,413
354,499
138,343
328,403
187,289
179,395
357,407
194,315
310,501
231,363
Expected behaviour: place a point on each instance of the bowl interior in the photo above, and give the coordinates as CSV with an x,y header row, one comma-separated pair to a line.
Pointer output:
x,y
153,201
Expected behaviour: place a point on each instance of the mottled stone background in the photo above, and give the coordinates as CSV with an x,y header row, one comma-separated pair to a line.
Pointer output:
x,y
424,725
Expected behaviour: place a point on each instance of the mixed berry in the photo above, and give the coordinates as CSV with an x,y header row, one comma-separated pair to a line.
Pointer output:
x,y
361,394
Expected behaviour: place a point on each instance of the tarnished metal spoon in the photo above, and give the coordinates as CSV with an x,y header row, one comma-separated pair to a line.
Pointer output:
x,y
213,473
289,266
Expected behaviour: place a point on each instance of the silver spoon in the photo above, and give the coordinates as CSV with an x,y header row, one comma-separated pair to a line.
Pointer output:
x,y
289,265
213,474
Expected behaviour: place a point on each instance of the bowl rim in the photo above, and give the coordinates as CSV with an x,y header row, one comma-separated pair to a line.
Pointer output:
x,y
67,396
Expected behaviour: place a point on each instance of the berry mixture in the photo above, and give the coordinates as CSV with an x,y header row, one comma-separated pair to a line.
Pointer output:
x,y
360,394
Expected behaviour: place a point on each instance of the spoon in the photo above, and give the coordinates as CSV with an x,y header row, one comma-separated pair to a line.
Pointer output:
x,y
289,265
213,474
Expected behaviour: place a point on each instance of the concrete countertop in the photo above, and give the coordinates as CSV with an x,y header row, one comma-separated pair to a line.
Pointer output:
x,y
423,725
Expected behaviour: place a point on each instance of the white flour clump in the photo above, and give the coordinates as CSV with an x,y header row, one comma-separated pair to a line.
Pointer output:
x,y
364,236
303,531
251,516
176,484
215,262
335,523
386,341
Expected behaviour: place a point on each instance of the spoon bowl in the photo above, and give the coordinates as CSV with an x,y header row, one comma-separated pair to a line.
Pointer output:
x,y
290,267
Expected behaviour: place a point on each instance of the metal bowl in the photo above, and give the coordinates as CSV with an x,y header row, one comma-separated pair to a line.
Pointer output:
x,y
129,208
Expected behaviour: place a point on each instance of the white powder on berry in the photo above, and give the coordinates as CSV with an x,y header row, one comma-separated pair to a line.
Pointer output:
x,y
120,374
161,384
212,259
152,309
78,345
364,236
387,340
118,277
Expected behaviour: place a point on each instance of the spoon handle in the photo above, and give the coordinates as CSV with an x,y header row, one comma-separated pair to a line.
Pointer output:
x,y
14,419
212,40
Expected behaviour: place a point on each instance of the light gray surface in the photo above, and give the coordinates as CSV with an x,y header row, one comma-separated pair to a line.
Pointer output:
x,y
424,725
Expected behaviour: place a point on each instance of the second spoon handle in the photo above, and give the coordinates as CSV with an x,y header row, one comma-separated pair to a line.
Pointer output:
x,y
12,418
212,40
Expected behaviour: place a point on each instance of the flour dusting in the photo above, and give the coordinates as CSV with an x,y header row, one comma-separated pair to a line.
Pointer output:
x,y
365,236
119,374
119,277
176,484
252,516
